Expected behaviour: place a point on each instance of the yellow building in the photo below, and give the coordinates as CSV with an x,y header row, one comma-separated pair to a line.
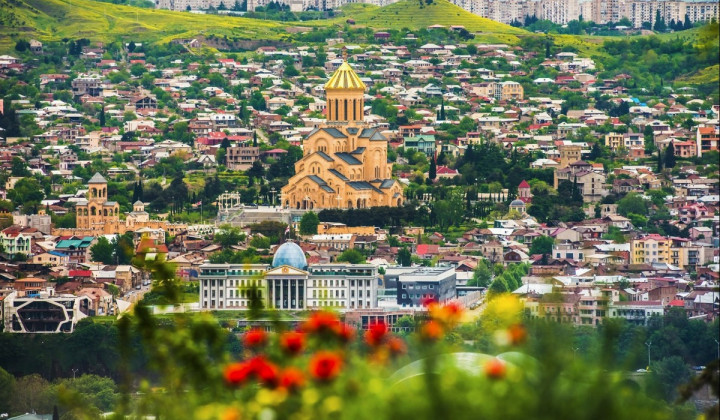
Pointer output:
x,y
344,163
97,216
96,213
649,249
614,141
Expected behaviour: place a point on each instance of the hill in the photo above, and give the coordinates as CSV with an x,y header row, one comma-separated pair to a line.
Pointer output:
x,y
48,20
417,14
56,19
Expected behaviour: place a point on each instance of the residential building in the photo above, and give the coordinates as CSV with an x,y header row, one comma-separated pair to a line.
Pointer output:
x,y
650,249
424,143
636,312
241,158
18,240
707,139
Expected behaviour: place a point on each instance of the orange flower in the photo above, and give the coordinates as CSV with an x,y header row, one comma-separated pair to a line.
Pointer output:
x,y
448,314
255,338
321,321
495,368
236,373
431,331
518,334
396,346
345,332
292,342
376,333
325,366
292,379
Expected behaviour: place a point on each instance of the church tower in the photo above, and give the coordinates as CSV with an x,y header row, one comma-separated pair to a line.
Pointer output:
x,y
344,95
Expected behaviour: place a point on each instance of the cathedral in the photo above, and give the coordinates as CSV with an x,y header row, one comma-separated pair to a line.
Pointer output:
x,y
344,163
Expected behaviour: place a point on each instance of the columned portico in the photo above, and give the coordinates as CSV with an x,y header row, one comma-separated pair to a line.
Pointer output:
x,y
287,288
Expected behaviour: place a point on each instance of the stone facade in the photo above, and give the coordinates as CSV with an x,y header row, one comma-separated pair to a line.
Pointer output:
x,y
344,163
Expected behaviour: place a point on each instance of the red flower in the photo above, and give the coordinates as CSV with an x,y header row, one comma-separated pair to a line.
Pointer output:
x,y
495,368
264,371
292,342
258,367
431,331
518,334
325,366
292,379
396,346
345,332
236,373
321,321
376,333
255,338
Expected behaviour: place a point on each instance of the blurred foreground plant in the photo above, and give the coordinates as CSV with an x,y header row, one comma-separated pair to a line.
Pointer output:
x,y
325,370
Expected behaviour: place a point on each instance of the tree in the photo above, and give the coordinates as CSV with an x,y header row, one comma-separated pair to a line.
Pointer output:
x,y
102,117
123,248
228,236
255,142
542,245
352,256
482,275
403,257
102,251
596,151
7,386
31,394
660,25
22,45
670,156
432,174
667,375
687,24
632,203
131,46
499,285
309,223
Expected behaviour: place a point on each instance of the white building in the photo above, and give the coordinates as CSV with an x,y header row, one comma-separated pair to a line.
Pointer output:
x,y
288,284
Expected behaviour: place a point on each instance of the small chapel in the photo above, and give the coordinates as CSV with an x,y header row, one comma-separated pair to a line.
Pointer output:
x,y
344,163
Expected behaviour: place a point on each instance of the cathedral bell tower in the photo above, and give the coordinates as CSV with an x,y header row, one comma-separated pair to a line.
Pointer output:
x,y
344,95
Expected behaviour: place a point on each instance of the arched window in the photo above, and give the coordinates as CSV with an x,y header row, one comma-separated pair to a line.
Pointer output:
x,y
355,109
337,115
345,110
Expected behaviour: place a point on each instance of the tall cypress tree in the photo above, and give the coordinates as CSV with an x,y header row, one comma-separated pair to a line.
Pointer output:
x,y
432,174
659,161
255,138
670,156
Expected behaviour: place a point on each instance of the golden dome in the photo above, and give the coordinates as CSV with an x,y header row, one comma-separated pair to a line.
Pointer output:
x,y
344,78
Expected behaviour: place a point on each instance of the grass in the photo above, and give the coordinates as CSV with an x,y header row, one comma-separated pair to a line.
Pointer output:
x,y
52,20
703,77
414,14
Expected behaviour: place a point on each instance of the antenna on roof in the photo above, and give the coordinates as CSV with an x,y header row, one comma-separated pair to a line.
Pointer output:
x,y
344,53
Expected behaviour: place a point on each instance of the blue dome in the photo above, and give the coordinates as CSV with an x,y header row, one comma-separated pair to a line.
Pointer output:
x,y
290,254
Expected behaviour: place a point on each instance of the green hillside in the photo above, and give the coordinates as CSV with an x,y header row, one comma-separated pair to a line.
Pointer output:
x,y
57,19
417,14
